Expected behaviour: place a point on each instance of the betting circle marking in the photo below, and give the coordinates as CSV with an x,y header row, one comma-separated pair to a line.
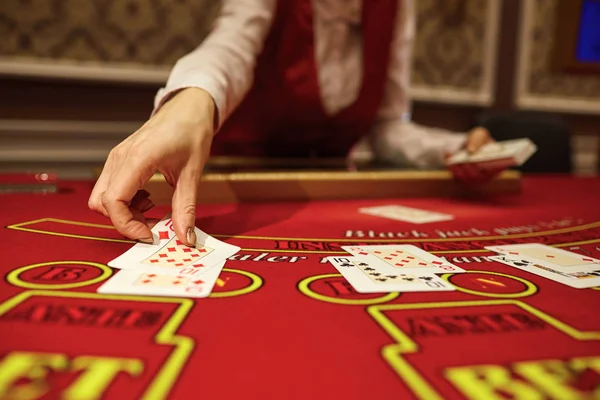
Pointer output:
x,y
256,283
14,276
530,288
304,287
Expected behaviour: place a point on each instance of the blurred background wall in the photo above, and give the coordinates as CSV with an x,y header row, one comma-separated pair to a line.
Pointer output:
x,y
78,76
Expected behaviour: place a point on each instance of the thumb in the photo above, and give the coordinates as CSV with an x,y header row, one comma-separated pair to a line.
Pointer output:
x,y
477,138
184,204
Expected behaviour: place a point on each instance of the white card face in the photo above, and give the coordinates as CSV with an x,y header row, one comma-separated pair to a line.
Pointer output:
x,y
491,151
402,259
578,280
366,278
551,257
406,214
169,253
157,282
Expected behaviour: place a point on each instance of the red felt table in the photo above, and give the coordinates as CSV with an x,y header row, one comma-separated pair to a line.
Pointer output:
x,y
281,323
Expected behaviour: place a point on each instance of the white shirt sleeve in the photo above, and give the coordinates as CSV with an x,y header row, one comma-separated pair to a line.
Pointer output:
x,y
394,138
223,65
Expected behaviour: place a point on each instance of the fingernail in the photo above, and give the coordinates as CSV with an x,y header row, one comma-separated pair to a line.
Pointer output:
x,y
191,236
146,240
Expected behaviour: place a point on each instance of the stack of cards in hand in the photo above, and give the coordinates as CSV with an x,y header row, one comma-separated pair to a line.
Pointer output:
x,y
571,269
168,267
505,154
393,268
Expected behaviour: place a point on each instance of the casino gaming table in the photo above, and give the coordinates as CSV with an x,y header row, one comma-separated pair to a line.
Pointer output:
x,y
282,324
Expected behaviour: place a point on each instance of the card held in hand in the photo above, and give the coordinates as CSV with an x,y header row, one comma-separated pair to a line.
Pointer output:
x,y
170,253
514,152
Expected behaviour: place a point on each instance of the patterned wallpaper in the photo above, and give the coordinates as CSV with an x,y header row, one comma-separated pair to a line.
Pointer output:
x,y
541,87
450,50
449,45
142,32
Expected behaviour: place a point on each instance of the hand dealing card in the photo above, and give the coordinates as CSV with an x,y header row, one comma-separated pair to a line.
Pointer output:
x,y
158,282
168,252
406,214
365,278
553,258
402,258
514,152
578,280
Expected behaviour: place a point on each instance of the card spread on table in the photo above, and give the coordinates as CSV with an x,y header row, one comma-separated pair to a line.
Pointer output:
x,y
402,258
578,280
550,257
517,151
366,278
169,252
159,282
406,214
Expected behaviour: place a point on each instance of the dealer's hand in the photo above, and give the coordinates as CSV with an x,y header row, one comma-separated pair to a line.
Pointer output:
x,y
480,172
176,141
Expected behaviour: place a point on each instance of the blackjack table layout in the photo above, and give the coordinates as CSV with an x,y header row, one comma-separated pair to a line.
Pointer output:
x,y
281,322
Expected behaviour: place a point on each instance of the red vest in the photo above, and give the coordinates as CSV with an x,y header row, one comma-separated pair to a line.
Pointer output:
x,y
282,115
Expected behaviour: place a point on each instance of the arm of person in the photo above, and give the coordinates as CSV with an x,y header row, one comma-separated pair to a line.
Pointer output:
x,y
394,138
204,87
223,65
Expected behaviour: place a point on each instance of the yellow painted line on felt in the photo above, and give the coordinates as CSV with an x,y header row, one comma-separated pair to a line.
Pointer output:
x,y
221,282
490,282
393,353
170,370
362,240
20,227
70,235
463,239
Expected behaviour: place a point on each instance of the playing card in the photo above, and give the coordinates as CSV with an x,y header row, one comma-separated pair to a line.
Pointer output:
x,y
551,257
579,280
406,214
515,151
366,278
170,253
160,282
402,258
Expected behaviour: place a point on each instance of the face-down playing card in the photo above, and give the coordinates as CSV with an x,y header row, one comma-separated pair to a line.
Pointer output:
x,y
159,282
365,278
553,258
169,252
406,214
402,258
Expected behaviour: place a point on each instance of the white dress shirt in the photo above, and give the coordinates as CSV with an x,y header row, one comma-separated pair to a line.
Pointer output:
x,y
223,65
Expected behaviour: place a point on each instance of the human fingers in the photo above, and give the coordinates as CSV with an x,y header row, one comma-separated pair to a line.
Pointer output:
x,y
141,201
151,222
95,200
122,188
477,138
184,203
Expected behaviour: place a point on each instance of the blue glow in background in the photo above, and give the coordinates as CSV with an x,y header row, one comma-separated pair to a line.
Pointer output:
x,y
588,43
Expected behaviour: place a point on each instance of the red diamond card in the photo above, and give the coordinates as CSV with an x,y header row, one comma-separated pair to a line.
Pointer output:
x,y
175,254
155,281
168,252
404,258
